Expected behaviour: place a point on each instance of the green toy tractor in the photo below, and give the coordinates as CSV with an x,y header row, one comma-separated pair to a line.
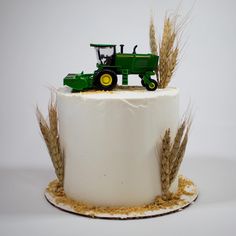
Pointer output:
x,y
110,64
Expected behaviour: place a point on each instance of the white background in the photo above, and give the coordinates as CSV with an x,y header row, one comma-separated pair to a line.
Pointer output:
x,y
42,41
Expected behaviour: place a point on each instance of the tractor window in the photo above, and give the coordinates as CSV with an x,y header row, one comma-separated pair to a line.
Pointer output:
x,y
105,55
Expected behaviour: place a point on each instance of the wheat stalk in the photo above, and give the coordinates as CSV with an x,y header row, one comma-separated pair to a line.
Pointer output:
x,y
172,62
153,44
152,38
55,144
49,131
172,155
165,164
179,157
169,47
163,60
168,51
177,143
52,111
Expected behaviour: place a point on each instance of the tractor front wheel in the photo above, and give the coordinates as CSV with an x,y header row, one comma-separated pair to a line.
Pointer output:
x,y
152,85
105,80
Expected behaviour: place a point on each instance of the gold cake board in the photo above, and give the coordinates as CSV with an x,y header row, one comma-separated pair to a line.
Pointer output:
x,y
184,197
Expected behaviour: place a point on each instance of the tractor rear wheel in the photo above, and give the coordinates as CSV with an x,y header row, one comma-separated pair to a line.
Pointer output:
x,y
143,83
105,80
152,85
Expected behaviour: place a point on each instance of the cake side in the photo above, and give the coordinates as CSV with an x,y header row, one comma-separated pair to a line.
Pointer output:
x,y
109,141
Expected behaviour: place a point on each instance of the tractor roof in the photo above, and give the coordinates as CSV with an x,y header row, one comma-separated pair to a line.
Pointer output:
x,y
102,45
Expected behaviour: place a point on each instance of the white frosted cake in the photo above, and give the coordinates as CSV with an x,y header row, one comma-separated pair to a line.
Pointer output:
x,y
111,143
117,149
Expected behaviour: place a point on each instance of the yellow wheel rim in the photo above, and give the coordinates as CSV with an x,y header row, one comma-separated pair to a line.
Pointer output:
x,y
152,85
106,80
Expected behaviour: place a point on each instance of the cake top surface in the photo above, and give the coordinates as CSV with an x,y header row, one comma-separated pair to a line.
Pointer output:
x,y
120,92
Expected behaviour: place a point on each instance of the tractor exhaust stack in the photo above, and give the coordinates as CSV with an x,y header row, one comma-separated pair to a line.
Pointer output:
x,y
122,48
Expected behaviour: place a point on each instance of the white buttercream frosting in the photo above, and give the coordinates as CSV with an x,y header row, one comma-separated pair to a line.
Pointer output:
x,y
110,139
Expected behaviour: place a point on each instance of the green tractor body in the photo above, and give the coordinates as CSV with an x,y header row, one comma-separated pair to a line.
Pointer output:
x,y
110,64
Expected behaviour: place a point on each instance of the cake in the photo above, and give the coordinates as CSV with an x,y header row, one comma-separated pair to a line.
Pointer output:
x,y
110,143
117,150
117,153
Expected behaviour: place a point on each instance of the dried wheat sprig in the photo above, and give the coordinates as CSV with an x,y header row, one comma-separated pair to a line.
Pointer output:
x,y
163,49
172,63
53,117
153,44
44,128
50,134
177,143
168,51
179,157
172,155
169,37
152,38
165,167
54,142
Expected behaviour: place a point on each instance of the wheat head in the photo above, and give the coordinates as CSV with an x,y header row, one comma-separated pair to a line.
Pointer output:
x,y
172,154
152,38
176,143
49,131
171,66
153,44
165,167
168,51
179,157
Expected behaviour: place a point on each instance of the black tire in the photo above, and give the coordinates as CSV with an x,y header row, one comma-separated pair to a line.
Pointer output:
x,y
143,83
152,85
105,80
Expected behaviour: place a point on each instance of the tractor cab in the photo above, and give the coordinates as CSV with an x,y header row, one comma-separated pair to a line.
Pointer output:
x,y
105,53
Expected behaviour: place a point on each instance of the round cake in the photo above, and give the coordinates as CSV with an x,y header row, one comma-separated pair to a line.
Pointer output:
x,y
111,141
